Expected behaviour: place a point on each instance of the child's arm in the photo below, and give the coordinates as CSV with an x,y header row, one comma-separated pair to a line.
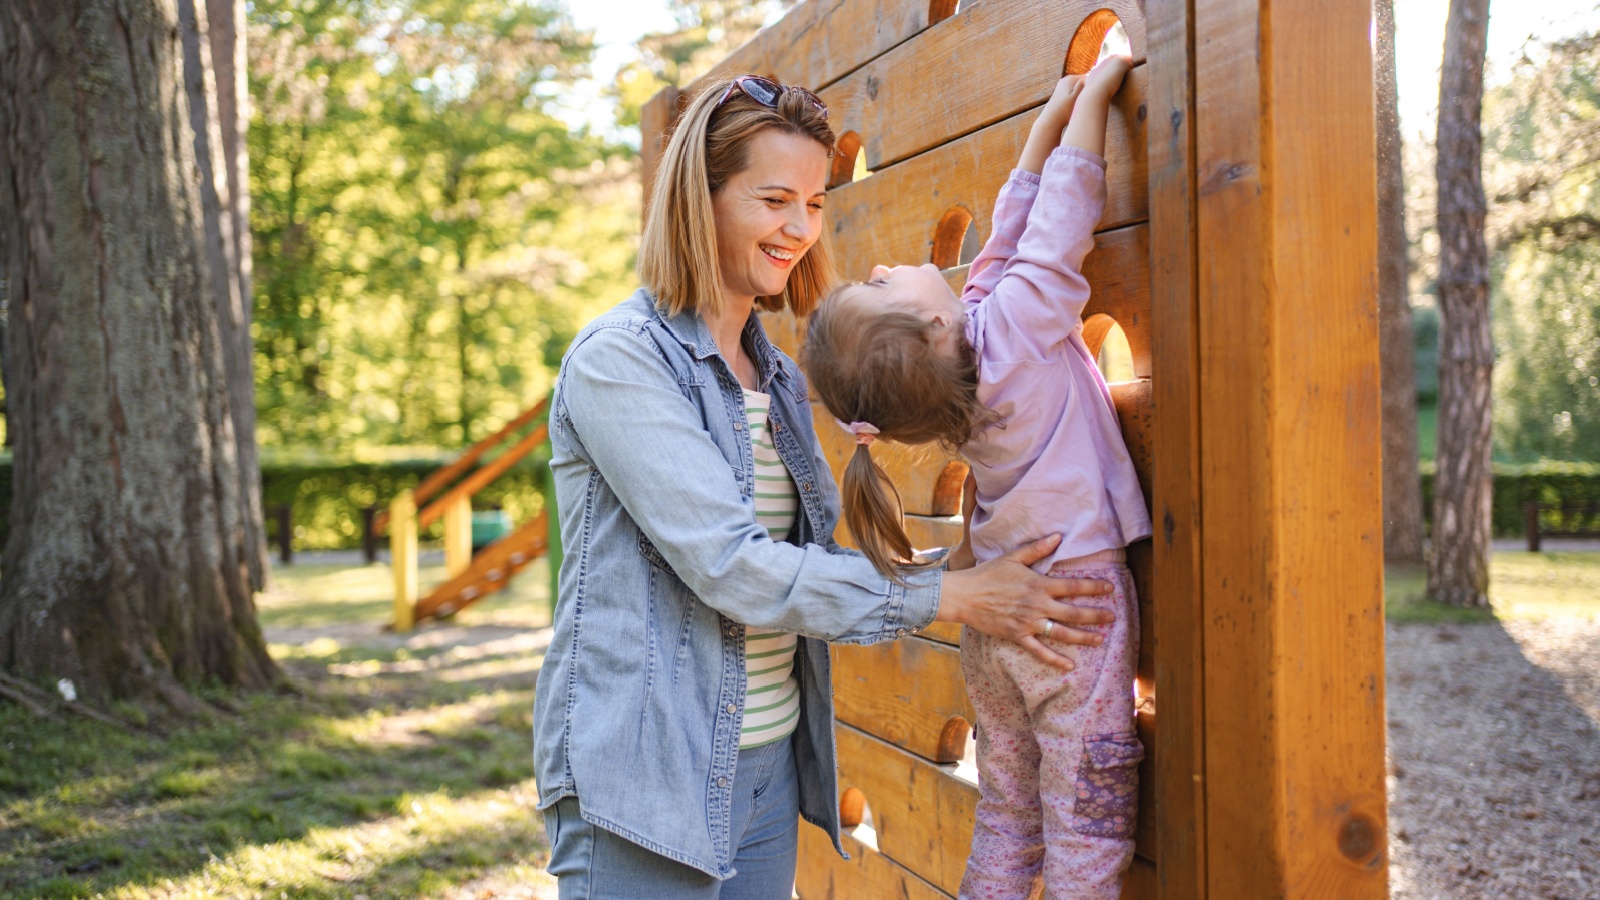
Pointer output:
x,y
1040,290
1011,207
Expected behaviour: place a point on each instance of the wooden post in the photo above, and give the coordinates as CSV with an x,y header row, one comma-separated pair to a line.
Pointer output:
x,y
403,557
458,536
369,535
285,517
1530,513
1291,545
655,123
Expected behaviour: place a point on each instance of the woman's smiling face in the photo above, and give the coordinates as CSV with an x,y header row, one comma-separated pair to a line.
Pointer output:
x,y
770,214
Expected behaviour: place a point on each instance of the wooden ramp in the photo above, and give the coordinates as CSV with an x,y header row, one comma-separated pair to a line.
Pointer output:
x,y
1237,254
447,494
491,569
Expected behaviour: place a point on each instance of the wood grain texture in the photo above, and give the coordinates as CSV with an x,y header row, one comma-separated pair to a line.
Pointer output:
x,y
891,217
823,875
1171,649
1291,530
921,812
820,41
656,119
904,692
951,79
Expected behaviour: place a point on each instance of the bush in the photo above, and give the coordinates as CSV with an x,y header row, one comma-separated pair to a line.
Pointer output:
x,y
1569,484
325,498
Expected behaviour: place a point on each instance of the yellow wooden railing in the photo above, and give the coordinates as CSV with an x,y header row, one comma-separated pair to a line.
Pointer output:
x,y
447,494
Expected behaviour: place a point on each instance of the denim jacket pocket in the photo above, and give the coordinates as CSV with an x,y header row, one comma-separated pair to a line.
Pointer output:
x,y
649,551
1107,789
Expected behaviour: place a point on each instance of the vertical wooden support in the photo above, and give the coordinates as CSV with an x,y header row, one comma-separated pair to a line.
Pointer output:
x,y
458,535
1291,529
1178,626
403,557
655,122
369,535
285,517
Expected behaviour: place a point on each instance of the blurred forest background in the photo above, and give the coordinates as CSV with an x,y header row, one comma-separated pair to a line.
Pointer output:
x,y
429,233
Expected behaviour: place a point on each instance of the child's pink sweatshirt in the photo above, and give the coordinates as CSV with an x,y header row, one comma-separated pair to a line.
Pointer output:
x,y
1056,463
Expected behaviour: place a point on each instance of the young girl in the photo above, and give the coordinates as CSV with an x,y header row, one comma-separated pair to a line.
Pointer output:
x,y
1004,374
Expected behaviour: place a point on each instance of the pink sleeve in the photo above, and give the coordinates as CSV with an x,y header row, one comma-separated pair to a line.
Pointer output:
x,y
1010,215
1039,293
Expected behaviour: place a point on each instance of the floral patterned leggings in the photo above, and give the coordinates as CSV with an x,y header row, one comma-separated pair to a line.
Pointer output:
x,y
1057,755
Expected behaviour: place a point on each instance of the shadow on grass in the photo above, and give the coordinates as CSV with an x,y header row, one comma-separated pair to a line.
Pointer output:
x,y
388,748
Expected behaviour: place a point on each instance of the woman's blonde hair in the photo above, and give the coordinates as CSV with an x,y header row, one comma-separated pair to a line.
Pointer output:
x,y
885,367
709,145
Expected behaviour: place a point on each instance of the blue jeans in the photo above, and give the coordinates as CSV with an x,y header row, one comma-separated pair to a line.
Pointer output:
x,y
593,864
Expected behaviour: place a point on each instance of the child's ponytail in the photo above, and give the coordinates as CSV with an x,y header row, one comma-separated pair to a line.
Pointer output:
x,y
872,511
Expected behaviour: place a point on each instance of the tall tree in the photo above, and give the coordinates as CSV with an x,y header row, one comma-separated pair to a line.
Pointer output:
x,y
1458,568
1402,483
213,82
126,571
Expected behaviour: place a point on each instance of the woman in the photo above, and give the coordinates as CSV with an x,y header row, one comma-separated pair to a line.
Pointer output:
x,y
684,713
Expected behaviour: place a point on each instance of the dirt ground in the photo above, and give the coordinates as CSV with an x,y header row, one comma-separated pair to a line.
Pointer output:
x,y
1494,760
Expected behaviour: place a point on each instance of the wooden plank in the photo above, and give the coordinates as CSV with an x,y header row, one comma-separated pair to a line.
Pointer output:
x,y
656,119
823,875
950,81
890,218
1141,882
1175,624
1291,524
908,692
821,41
921,812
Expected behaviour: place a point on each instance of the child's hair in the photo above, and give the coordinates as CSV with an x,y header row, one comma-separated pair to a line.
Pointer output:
x,y
885,368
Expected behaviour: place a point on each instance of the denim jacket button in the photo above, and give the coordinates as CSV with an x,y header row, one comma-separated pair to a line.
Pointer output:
x,y
899,632
732,708
722,782
806,486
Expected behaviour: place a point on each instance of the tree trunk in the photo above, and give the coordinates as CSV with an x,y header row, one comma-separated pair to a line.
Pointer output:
x,y
1458,569
127,567
1402,482
214,123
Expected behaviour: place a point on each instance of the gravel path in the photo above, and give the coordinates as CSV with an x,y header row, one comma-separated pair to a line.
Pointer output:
x,y
1494,760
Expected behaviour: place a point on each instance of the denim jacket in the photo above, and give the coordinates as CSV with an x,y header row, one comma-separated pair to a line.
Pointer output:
x,y
641,696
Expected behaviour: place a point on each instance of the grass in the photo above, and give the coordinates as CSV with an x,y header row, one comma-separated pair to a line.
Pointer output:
x,y
403,768
1522,586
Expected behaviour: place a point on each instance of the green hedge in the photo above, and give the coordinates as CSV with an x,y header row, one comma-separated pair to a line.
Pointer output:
x,y
1569,483
326,498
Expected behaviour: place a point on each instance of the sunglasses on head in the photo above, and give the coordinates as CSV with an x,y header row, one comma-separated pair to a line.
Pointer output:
x,y
766,92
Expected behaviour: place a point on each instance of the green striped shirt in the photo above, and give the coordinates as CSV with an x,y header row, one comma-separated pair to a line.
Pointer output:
x,y
772,695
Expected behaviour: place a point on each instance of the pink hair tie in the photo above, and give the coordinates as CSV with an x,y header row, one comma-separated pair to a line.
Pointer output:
x,y
865,432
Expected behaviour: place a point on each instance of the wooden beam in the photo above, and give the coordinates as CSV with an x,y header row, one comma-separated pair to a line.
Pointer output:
x,y
820,41
1289,452
1172,649
905,692
823,875
985,64
891,217
656,119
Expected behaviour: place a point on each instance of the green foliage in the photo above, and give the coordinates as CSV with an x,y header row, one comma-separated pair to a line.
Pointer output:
x,y
326,498
428,237
1522,586
708,30
1541,162
1572,484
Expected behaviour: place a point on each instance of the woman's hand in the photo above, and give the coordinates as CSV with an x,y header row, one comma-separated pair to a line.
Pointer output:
x,y
1004,598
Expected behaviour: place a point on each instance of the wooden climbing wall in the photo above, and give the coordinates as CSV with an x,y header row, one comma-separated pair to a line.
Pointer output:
x,y
1237,254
